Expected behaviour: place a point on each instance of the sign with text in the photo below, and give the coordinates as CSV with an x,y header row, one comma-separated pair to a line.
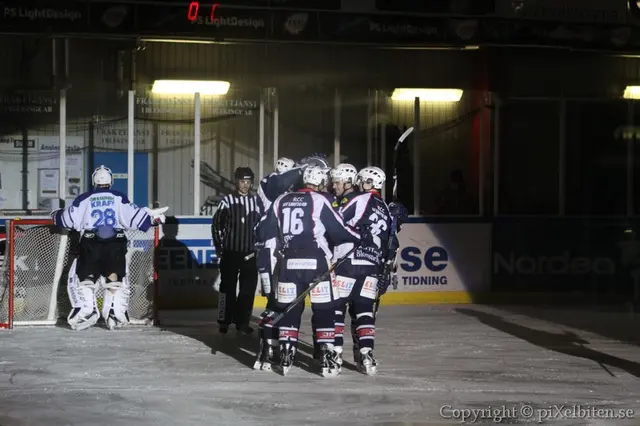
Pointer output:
x,y
444,257
567,11
593,24
564,255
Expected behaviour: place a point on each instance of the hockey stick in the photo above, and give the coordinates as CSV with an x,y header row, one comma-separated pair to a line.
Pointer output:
x,y
272,317
394,195
401,139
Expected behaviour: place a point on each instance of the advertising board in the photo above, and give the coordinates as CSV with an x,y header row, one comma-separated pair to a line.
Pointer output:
x,y
438,263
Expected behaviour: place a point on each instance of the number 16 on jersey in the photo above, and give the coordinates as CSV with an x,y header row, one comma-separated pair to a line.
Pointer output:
x,y
292,220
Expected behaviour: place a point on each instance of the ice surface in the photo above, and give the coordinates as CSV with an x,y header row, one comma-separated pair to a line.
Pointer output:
x,y
470,356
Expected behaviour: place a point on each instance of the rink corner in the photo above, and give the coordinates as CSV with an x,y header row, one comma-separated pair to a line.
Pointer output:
x,y
407,298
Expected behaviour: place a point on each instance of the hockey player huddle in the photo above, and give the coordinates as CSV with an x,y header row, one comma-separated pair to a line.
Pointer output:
x,y
333,239
337,236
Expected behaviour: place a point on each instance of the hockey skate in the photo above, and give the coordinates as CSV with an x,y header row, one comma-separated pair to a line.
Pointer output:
x,y
329,366
80,321
266,357
368,364
339,359
287,354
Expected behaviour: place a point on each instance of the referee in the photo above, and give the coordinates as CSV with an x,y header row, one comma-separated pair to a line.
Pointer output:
x,y
232,231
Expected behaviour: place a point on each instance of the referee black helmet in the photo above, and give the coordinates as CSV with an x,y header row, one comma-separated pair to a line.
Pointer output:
x,y
244,173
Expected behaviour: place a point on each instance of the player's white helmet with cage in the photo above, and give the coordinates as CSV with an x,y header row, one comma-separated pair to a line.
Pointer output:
x,y
344,172
373,176
314,175
102,176
327,175
284,164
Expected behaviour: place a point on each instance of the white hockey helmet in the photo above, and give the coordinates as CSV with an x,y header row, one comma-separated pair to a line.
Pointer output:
x,y
327,175
373,176
102,176
284,164
344,172
314,160
314,175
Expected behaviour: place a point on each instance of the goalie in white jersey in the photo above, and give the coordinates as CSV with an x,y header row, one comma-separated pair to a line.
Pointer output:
x,y
101,216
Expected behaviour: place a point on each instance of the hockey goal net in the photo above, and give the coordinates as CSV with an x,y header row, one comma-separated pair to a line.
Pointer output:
x,y
34,273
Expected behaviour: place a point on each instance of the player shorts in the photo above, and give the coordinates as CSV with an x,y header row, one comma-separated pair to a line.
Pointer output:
x,y
98,257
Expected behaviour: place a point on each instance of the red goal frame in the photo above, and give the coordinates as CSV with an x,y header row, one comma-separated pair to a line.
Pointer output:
x,y
10,262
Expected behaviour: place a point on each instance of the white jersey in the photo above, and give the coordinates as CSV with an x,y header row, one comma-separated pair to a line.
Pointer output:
x,y
102,208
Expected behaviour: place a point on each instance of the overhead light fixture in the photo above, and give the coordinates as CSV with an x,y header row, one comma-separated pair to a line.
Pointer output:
x,y
429,95
189,87
631,92
176,40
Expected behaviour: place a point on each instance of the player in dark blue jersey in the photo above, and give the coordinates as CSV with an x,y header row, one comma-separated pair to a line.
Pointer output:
x,y
358,278
326,188
287,177
283,179
300,225
343,179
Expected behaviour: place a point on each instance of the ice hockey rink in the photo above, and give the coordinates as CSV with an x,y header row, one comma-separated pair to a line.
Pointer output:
x,y
522,363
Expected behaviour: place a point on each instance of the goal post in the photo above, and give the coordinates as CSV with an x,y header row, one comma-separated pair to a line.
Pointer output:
x,y
34,274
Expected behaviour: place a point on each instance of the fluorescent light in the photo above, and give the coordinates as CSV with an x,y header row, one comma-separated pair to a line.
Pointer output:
x,y
631,92
429,95
189,87
175,40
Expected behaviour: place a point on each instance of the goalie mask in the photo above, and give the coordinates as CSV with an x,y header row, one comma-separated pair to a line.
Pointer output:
x,y
102,177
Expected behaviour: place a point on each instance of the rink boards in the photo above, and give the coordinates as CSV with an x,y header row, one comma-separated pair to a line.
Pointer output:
x,y
439,263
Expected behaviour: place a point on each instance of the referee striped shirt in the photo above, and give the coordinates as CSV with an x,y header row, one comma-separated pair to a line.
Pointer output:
x,y
234,221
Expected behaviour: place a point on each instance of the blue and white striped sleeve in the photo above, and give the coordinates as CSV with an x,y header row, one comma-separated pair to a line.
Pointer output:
x,y
132,217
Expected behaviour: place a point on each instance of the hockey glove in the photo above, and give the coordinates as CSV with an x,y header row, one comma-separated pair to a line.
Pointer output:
x,y
267,317
366,238
399,211
388,277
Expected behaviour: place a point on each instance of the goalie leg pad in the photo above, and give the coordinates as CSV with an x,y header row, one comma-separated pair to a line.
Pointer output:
x,y
116,303
83,299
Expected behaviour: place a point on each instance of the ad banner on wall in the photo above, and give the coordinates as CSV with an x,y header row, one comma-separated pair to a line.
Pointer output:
x,y
450,257
435,261
589,256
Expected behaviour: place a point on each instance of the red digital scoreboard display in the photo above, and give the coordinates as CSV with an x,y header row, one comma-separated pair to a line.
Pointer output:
x,y
194,9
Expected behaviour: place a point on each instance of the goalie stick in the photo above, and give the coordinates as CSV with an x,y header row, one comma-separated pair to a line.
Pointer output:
x,y
272,317
394,197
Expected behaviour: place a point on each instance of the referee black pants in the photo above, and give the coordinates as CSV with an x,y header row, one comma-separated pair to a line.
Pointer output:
x,y
233,269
